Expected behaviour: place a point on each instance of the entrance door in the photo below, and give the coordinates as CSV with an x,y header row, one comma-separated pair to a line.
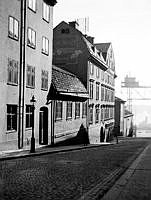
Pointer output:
x,y
43,125
102,135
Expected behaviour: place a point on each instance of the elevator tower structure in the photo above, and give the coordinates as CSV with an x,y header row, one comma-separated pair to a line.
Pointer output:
x,y
131,84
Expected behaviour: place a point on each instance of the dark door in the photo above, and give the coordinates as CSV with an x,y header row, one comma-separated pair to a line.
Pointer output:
x,y
43,125
101,135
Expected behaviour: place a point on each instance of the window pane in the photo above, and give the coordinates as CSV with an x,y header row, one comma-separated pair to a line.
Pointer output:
x,y
11,26
16,28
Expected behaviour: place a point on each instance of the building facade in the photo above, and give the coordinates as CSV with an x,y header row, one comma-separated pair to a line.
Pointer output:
x,y
128,123
67,96
119,116
25,70
77,53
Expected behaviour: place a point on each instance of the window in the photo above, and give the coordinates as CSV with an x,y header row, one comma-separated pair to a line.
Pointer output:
x,y
97,91
28,116
31,40
91,89
12,71
84,109
32,5
77,109
13,28
90,115
65,31
97,112
102,114
11,117
30,76
97,72
91,68
44,80
69,110
59,107
46,12
45,45
102,93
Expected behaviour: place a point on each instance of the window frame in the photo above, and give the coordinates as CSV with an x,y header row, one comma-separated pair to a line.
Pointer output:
x,y
12,34
77,110
59,110
84,109
47,15
44,80
31,77
97,113
30,43
12,72
33,2
97,91
29,115
91,88
13,116
44,49
69,110
91,115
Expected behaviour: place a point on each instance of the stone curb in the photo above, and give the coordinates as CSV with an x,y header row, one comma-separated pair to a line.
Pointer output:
x,y
97,192
18,155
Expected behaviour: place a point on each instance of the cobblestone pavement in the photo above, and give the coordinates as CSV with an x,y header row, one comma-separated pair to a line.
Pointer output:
x,y
64,176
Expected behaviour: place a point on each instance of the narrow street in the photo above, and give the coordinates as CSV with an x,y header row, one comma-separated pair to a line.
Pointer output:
x,y
67,175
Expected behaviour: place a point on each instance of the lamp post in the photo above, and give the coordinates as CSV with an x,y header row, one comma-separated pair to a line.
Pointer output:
x,y
32,150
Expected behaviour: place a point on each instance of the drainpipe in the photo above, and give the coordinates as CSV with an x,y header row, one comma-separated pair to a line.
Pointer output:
x,y
53,103
24,66
21,74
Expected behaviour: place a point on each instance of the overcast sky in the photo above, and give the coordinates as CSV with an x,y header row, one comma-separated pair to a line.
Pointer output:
x,y
124,23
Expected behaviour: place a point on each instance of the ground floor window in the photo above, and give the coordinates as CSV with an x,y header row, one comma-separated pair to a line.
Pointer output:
x,y
11,117
69,110
28,116
59,107
84,109
77,109
91,115
97,112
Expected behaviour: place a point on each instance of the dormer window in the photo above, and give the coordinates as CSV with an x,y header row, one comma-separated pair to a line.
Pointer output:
x,y
66,30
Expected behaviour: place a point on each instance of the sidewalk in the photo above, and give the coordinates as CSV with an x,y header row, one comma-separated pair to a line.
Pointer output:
x,y
43,150
135,183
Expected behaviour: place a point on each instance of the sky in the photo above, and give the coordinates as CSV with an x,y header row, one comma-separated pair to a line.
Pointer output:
x,y
124,23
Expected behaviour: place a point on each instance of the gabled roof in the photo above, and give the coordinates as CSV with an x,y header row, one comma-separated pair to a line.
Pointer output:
x,y
119,100
95,53
66,84
103,47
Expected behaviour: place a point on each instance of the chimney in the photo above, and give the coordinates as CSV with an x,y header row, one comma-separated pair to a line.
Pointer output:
x,y
90,39
50,2
73,24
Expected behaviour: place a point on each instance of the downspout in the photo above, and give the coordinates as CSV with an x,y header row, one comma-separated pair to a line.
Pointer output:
x,y
53,103
20,75
24,63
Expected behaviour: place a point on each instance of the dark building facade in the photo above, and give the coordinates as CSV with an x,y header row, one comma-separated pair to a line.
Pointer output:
x,y
77,53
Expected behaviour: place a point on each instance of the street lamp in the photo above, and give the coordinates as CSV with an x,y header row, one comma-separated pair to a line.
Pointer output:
x,y
32,150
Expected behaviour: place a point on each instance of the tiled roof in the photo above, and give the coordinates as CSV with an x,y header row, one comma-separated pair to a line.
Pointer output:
x,y
64,81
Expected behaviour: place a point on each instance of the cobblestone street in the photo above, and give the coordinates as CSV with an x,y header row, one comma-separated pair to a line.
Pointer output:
x,y
64,176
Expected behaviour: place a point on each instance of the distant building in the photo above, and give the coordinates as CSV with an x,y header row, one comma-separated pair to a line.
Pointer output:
x,y
119,116
26,29
128,123
78,54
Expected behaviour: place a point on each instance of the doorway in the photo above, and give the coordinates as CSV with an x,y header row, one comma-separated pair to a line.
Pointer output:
x,y
43,125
